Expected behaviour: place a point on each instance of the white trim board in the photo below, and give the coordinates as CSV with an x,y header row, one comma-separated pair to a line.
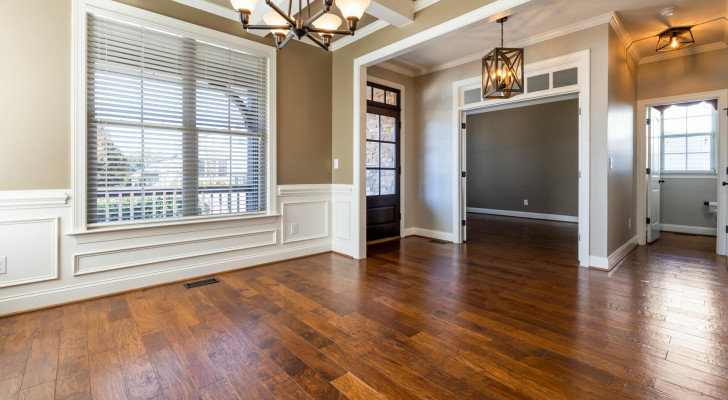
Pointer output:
x,y
14,199
621,252
428,233
523,214
695,230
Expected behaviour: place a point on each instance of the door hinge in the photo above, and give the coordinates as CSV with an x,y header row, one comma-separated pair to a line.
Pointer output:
x,y
726,229
400,215
464,125
464,174
579,240
649,121
648,220
464,222
648,171
579,110
579,174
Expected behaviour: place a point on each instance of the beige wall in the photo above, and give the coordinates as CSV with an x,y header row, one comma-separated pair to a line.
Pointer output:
x,y
525,153
622,83
410,170
35,103
702,72
343,74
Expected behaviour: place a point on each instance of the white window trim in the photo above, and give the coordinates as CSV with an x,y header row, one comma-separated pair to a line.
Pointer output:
x,y
713,149
78,104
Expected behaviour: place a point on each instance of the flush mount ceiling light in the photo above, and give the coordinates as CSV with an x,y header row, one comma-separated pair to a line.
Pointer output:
x,y
675,38
285,26
503,71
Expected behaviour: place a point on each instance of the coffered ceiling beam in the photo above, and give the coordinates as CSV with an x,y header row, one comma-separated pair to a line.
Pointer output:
x,y
395,12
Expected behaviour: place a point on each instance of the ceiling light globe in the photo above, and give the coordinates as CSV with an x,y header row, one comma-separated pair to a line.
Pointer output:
x,y
248,5
329,22
352,8
273,18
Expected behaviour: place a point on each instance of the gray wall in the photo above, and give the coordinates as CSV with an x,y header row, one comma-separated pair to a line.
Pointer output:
x,y
681,201
525,153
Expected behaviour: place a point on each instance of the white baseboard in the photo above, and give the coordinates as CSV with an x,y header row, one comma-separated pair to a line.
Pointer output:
x,y
428,233
607,263
597,262
523,214
696,230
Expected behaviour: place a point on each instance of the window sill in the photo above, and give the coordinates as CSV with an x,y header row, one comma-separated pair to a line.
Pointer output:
x,y
140,226
683,175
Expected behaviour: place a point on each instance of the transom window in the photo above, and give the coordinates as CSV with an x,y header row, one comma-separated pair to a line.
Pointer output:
x,y
176,127
688,137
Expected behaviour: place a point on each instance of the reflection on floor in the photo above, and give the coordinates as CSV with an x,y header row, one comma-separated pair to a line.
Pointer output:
x,y
492,319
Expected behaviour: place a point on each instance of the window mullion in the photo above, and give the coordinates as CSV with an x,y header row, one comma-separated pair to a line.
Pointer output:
x,y
190,141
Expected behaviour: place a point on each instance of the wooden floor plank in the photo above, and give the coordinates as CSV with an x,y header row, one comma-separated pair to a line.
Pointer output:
x,y
107,380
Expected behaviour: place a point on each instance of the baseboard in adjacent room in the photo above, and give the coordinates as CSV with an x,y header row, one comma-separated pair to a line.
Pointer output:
x,y
696,230
428,233
523,214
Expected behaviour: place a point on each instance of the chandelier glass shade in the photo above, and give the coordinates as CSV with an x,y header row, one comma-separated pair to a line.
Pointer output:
x,y
675,39
503,71
319,28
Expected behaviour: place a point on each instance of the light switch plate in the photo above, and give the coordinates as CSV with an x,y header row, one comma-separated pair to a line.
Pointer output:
x,y
3,265
525,202
336,163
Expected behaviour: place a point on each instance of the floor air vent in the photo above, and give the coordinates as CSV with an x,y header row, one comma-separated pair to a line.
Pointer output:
x,y
200,283
439,241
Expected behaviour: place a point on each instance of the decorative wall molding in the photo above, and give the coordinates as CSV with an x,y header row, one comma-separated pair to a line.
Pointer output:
x,y
342,214
688,51
694,230
626,39
49,268
267,238
15,199
304,190
307,218
523,214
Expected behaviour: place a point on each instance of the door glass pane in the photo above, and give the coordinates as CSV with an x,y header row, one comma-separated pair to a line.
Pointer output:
x,y
392,98
388,132
372,154
372,126
372,182
378,95
388,182
387,155
369,92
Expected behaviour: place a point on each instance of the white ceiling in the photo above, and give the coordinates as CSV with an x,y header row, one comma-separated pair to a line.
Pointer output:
x,y
640,19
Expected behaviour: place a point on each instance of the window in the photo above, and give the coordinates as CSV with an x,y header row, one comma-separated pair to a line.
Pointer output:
x,y
688,137
382,144
176,126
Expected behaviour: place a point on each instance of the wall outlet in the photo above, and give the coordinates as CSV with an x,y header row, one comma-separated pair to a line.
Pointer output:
x,y
3,265
525,202
629,223
294,228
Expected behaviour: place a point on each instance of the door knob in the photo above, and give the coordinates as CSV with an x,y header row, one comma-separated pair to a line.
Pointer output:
x,y
663,181
725,183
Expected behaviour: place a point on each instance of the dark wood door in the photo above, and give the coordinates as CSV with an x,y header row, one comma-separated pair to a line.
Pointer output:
x,y
383,163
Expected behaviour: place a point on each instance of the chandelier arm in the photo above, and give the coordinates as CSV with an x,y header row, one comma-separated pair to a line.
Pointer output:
x,y
331,31
269,27
285,42
290,7
281,12
318,15
318,42
308,8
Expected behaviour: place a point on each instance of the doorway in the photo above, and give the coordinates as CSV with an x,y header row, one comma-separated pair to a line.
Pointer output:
x,y
682,149
383,162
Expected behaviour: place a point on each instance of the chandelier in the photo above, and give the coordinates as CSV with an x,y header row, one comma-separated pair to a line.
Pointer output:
x,y
285,26
502,71
675,39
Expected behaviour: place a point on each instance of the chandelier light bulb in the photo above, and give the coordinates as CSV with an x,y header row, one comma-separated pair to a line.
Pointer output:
x,y
247,5
674,42
273,18
352,8
329,22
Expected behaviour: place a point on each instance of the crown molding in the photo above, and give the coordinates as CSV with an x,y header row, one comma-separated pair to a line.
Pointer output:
x,y
397,68
579,26
685,52
626,39
360,33
211,8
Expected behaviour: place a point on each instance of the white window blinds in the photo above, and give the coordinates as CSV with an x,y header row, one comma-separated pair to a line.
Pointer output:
x,y
176,127
688,136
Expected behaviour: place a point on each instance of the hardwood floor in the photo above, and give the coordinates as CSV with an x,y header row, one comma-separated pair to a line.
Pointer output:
x,y
506,316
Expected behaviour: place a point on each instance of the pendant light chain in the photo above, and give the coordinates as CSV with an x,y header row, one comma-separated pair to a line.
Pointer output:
x,y
502,22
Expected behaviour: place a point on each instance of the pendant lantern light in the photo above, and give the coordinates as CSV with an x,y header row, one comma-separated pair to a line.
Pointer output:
x,y
503,71
675,39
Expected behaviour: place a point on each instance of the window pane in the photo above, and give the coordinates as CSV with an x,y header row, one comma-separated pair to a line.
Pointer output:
x,y
372,182
388,155
372,126
388,132
369,92
388,182
372,154
538,83
566,77
472,96
700,109
674,162
699,144
699,162
700,124
674,112
392,98
674,145
378,95
674,126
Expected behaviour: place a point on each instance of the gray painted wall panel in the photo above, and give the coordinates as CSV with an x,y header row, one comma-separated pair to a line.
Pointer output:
x,y
681,201
525,153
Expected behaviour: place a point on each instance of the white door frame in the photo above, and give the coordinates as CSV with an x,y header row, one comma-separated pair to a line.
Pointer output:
x,y
402,156
721,159
580,60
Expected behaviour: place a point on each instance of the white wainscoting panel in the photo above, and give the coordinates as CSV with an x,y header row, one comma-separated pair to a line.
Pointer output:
x,y
343,215
30,247
49,264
